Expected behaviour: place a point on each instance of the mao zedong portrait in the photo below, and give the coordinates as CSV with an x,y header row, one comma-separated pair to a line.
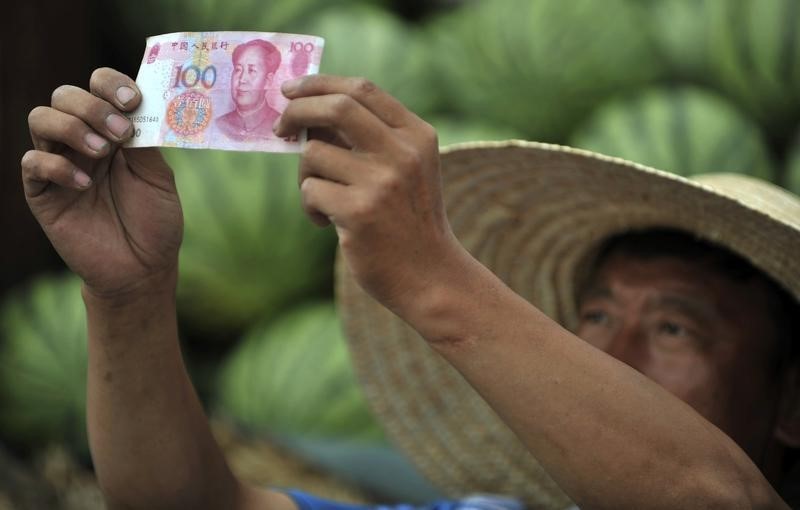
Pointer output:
x,y
254,66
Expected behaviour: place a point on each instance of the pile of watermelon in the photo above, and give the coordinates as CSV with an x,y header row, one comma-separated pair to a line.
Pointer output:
x,y
43,358
684,130
687,86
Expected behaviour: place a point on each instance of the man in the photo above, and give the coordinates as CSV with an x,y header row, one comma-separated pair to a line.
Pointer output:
x,y
254,66
670,306
608,435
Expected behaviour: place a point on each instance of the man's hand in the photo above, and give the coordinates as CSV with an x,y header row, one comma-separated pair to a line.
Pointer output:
x,y
371,167
112,214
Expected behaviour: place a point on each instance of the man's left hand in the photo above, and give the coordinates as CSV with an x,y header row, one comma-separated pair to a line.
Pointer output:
x,y
371,167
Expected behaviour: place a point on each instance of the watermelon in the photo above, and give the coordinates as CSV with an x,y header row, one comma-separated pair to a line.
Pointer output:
x,y
248,247
748,50
166,16
793,170
453,130
540,66
364,41
682,130
292,378
43,358
680,34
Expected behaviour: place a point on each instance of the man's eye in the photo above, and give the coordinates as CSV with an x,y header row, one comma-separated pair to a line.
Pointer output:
x,y
594,317
672,329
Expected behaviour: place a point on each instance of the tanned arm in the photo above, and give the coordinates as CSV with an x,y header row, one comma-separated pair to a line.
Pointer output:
x,y
114,217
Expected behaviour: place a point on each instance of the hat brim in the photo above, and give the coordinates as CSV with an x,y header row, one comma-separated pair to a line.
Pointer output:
x,y
535,214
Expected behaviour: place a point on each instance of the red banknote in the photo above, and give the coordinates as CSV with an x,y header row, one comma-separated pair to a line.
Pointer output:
x,y
219,90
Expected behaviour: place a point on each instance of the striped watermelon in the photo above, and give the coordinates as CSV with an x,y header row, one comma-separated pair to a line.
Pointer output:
x,y
453,130
540,66
293,377
248,248
684,130
793,170
202,15
43,357
749,50
681,35
361,40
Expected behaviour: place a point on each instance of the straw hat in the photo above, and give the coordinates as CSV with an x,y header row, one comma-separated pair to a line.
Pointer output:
x,y
536,214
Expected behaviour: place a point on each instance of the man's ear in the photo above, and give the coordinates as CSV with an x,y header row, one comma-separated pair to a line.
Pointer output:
x,y
787,428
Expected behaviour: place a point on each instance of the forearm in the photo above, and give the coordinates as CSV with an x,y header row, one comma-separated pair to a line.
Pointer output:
x,y
610,437
150,440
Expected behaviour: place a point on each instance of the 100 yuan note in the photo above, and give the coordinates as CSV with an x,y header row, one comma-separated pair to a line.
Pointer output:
x,y
219,90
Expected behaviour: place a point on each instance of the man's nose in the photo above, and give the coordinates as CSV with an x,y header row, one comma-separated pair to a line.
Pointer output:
x,y
629,345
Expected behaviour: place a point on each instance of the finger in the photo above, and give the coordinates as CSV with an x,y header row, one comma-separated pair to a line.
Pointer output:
x,y
49,126
116,88
357,126
98,113
327,136
326,161
322,199
380,103
40,169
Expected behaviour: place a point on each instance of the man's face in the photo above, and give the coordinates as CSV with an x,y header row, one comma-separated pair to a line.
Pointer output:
x,y
250,78
705,338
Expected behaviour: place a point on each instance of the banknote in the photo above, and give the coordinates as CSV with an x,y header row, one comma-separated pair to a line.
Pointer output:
x,y
219,90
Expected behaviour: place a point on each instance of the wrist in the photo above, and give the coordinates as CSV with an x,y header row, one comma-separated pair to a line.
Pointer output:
x,y
441,311
123,322
155,290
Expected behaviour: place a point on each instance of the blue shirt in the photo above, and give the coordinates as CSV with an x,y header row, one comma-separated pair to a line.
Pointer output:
x,y
306,501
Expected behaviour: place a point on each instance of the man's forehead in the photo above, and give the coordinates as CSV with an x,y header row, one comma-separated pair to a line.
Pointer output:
x,y
674,281
681,298
625,267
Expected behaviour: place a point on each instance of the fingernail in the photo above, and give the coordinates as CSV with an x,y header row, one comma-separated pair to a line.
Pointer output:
x,y
290,86
81,179
95,142
275,125
125,94
118,124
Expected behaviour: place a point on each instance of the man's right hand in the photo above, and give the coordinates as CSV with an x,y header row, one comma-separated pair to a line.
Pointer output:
x,y
121,230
